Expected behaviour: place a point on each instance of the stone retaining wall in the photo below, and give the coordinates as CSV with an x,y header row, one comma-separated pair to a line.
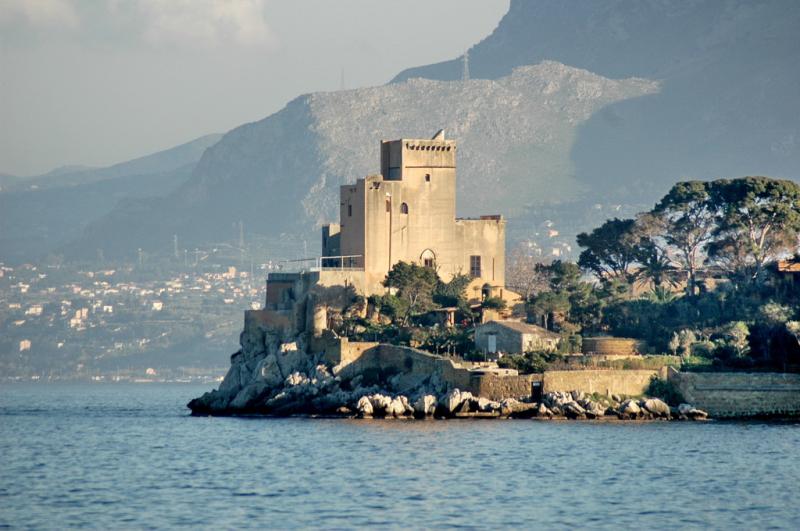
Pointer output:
x,y
496,387
605,382
740,394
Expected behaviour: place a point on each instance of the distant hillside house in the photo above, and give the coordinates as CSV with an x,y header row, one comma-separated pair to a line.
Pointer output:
x,y
514,337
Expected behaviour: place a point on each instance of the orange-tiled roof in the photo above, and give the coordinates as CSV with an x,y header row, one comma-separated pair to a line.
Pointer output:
x,y
789,266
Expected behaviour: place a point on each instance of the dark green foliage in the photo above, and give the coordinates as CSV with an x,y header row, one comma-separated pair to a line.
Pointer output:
x,y
664,390
530,362
759,218
611,249
493,303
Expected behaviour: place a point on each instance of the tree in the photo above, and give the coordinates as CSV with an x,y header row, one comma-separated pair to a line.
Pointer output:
x,y
759,220
689,218
655,264
611,249
415,286
522,275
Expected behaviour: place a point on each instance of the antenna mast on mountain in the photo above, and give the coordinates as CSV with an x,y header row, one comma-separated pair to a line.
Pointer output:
x,y
465,71
175,246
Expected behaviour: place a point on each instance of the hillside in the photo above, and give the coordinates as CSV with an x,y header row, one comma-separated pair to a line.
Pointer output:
x,y
39,215
625,98
281,174
728,70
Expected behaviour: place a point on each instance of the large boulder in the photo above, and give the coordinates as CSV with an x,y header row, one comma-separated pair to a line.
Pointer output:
x,y
657,407
248,397
573,410
396,408
380,403
629,409
511,407
594,410
364,407
487,406
269,372
453,399
692,412
425,406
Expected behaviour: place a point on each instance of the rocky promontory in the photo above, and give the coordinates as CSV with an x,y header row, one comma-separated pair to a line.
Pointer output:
x,y
282,376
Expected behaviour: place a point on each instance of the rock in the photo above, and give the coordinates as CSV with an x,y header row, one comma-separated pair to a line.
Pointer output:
x,y
288,347
576,395
408,409
657,407
611,412
543,411
364,407
684,409
594,410
425,405
344,410
616,398
295,379
269,372
630,409
485,405
247,397
511,407
453,399
395,408
380,403
573,410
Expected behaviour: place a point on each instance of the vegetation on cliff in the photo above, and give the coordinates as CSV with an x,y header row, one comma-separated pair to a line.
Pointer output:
x,y
696,276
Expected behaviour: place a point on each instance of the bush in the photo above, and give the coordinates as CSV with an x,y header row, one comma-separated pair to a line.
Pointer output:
x,y
664,390
494,303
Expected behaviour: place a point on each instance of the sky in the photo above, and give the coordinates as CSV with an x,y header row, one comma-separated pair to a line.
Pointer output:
x,y
95,82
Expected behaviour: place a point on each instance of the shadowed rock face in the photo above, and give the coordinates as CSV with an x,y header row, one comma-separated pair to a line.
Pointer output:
x,y
282,174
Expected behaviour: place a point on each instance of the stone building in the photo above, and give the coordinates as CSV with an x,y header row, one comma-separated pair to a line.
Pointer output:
x,y
514,337
408,213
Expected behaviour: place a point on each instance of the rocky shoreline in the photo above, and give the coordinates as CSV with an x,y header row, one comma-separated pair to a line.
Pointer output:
x,y
323,394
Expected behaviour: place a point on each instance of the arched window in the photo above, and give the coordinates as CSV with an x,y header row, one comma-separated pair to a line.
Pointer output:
x,y
404,208
428,258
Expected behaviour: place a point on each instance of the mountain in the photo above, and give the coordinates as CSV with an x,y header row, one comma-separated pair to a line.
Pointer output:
x,y
574,111
39,215
728,104
160,162
282,174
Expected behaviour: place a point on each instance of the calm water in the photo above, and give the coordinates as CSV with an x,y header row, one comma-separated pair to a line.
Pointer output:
x,y
129,456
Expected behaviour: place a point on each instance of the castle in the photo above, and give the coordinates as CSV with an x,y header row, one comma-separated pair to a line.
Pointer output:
x,y
407,213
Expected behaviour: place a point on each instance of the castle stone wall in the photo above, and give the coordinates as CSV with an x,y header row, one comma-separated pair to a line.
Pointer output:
x,y
740,394
605,382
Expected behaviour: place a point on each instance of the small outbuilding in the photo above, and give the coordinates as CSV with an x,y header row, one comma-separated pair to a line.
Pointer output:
x,y
514,337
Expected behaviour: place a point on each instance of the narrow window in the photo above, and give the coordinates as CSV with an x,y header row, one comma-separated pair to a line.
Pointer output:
x,y
349,210
475,266
427,177
429,263
388,205
404,208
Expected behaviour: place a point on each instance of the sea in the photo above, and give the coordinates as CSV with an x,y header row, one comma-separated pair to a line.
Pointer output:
x,y
109,456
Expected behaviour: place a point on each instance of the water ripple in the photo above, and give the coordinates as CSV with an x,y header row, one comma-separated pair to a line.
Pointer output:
x,y
107,456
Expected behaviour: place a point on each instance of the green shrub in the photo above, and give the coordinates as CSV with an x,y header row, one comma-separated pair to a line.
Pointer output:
x,y
664,390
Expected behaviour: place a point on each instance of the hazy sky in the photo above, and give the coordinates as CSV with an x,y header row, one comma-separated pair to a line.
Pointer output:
x,y
97,82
